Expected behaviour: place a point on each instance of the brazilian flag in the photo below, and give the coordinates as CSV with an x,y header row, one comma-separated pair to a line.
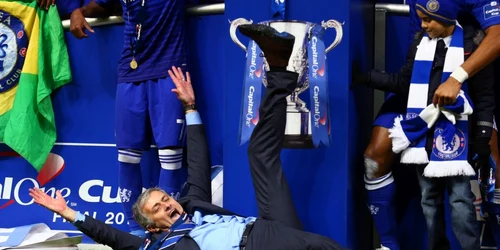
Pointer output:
x,y
33,62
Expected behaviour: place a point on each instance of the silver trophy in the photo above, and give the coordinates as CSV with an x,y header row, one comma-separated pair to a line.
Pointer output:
x,y
298,126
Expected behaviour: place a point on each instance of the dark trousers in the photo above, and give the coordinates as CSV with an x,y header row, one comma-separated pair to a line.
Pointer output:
x,y
278,226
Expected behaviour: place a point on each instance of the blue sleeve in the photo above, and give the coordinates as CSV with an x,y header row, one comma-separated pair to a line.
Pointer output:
x,y
79,217
66,7
486,12
193,118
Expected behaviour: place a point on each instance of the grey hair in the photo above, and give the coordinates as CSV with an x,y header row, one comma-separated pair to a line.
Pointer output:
x,y
142,219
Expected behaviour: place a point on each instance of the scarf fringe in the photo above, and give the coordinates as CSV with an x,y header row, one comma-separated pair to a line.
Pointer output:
x,y
445,169
399,140
414,156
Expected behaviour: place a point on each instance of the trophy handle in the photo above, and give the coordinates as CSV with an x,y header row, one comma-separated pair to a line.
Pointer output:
x,y
232,31
338,28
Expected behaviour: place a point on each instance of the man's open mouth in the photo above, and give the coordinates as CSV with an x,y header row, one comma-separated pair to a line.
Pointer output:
x,y
174,214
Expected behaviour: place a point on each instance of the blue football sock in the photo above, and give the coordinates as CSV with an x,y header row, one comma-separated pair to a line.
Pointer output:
x,y
130,183
170,174
381,192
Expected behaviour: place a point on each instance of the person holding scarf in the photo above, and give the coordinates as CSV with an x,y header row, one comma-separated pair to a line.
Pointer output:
x,y
486,15
434,138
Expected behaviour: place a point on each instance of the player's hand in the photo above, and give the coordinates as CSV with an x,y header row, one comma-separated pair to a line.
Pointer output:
x,y
183,88
447,92
57,205
45,4
78,24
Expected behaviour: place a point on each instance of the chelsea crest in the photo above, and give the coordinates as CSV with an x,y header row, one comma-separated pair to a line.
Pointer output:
x,y
13,47
449,150
432,6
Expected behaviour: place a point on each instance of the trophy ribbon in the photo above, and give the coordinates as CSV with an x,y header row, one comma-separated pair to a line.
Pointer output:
x,y
318,87
278,8
252,92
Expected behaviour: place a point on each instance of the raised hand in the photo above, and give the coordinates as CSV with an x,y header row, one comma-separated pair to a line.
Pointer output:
x,y
57,205
183,88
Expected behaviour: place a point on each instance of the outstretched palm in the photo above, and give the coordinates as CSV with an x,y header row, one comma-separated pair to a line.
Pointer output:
x,y
57,205
183,88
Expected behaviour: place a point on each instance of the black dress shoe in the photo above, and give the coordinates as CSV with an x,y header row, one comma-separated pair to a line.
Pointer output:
x,y
277,47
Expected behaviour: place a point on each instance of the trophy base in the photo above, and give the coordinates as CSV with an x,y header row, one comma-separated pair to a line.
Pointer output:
x,y
298,141
298,127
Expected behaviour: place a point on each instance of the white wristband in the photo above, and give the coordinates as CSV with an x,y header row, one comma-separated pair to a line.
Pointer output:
x,y
460,75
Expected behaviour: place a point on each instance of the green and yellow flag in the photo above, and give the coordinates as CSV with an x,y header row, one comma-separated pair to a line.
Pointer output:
x,y
33,62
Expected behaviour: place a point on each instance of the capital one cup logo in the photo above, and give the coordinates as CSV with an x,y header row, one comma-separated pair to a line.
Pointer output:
x,y
250,118
315,63
14,191
254,70
318,120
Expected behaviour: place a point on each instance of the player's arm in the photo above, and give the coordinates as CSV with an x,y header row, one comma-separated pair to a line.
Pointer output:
x,y
486,53
96,8
487,13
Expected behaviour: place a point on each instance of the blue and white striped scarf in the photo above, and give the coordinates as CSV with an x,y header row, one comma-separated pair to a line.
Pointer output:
x,y
167,241
450,144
